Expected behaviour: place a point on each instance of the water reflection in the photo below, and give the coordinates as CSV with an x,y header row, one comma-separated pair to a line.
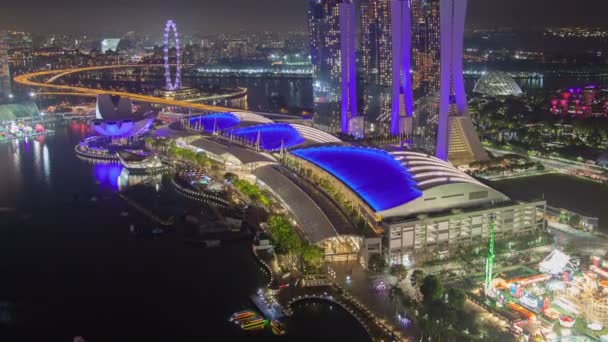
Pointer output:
x,y
46,163
37,163
42,163
127,180
15,160
106,175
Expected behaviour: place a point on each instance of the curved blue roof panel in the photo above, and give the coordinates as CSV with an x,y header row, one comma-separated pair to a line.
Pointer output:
x,y
221,121
271,135
380,180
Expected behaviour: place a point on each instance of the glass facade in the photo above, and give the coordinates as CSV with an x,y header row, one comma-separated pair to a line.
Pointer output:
x,y
324,26
426,67
376,63
5,77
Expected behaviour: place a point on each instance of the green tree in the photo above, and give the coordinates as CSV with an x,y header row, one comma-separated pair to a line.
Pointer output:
x,y
283,235
399,271
416,278
313,257
252,191
201,159
149,141
540,167
456,298
432,289
229,176
376,263
574,220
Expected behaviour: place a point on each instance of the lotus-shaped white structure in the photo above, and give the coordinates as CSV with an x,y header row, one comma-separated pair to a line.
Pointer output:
x,y
118,117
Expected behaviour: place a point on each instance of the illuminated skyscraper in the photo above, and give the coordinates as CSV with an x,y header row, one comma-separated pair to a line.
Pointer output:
x,y
5,76
376,63
456,136
441,122
402,91
332,40
425,76
386,64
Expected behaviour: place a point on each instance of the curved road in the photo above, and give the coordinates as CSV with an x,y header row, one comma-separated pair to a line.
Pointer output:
x,y
32,80
559,165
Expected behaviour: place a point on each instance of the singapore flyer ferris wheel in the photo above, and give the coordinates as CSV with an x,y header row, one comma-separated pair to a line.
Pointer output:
x,y
172,85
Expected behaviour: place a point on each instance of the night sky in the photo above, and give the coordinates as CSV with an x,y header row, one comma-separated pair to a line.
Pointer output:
x,y
212,16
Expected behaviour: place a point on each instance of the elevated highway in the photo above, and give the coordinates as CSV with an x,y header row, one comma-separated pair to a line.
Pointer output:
x,y
37,80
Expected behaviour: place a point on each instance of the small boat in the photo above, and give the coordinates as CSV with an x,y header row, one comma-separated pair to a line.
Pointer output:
x,y
256,327
277,328
237,316
256,322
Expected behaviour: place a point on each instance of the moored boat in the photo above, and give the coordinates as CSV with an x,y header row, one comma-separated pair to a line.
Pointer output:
x,y
253,323
277,328
242,315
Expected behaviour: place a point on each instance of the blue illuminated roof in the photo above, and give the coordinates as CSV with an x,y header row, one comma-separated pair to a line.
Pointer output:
x,y
380,180
221,121
271,135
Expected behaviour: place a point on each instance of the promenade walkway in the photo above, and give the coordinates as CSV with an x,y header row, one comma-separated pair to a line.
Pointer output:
x,y
378,329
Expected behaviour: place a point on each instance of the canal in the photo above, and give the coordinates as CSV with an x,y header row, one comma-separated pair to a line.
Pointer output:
x,y
69,265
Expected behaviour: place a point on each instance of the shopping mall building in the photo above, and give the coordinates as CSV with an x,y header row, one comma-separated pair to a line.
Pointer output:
x,y
421,206
354,201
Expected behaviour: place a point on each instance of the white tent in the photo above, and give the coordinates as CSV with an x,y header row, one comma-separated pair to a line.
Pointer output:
x,y
556,262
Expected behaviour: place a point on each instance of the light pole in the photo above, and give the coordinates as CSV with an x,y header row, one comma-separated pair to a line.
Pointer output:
x,y
490,259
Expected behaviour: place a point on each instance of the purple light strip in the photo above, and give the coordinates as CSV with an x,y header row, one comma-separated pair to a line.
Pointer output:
x,y
178,74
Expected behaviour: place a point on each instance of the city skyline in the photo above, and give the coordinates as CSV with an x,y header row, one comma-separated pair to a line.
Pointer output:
x,y
342,180
70,16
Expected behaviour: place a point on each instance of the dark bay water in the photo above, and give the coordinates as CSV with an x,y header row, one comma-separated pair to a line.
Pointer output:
x,y
69,266
561,191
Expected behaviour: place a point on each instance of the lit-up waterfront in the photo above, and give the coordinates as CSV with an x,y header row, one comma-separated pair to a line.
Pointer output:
x,y
61,214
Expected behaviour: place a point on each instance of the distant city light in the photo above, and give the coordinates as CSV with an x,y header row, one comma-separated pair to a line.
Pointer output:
x,y
299,71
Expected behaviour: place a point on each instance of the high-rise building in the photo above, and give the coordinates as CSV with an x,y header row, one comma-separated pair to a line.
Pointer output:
x,y
426,69
456,136
402,91
441,122
332,40
20,46
386,64
376,64
5,75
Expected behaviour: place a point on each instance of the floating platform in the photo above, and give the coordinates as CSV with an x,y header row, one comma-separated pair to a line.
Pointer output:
x,y
269,312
